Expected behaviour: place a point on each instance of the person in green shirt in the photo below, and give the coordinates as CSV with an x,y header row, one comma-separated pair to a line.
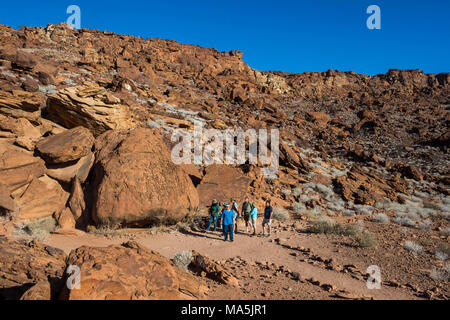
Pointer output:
x,y
214,212
247,208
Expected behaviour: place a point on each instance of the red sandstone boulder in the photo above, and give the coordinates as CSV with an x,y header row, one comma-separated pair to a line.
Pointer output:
x,y
130,272
222,183
136,182
68,146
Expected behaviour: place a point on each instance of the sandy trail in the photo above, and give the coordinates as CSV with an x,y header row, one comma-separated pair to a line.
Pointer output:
x,y
245,246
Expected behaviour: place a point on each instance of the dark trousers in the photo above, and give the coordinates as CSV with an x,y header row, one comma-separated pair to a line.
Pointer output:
x,y
213,219
228,229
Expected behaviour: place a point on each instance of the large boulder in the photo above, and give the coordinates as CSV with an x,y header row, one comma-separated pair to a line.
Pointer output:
x,y
136,182
70,145
7,203
130,272
68,171
43,198
90,107
18,167
34,195
21,104
222,183
24,265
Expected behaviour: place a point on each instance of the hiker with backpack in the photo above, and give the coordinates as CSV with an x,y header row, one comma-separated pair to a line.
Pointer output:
x,y
234,207
228,222
214,213
268,213
247,208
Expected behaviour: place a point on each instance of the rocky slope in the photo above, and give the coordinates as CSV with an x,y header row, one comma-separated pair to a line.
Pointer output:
x,y
86,118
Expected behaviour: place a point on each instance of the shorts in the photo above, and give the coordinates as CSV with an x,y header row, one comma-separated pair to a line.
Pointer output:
x,y
247,217
267,221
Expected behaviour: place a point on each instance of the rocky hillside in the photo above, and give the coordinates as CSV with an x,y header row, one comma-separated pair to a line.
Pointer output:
x,y
86,118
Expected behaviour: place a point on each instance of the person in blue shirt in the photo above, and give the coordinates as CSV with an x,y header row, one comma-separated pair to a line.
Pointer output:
x,y
254,217
268,213
227,222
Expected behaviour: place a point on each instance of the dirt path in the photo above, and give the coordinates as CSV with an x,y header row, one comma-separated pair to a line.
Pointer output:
x,y
255,249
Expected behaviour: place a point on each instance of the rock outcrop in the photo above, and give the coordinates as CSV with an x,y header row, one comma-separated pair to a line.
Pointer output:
x,y
28,265
222,183
136,182
130,272
90,107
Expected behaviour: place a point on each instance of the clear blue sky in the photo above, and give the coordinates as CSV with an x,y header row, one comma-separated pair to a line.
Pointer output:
x,y
292,36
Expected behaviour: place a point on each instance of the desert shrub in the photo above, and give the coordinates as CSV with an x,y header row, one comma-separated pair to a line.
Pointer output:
x,y
395,206
413,247
441,255
337,173
297,191
404,221
183,259
442,251
38,230
422,195
425,225
280,214
412,215
440,274
348,213
381,217
160,229
364,209
445,215
367,240
326,191
325,225
446,232
106,230
430,205
298,206
310,214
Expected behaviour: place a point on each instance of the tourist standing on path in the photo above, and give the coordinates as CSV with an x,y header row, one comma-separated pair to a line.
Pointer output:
x,y
247,208
214,212
235,208
254,217
268,213
228,222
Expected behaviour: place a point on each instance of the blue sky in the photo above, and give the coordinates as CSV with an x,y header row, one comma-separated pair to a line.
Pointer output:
x,y
286,35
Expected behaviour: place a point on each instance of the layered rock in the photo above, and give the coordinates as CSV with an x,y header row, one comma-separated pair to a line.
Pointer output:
x,y
367,188
24,266
91,107
136,182
21,104
202,264
222,183
70,145
130,272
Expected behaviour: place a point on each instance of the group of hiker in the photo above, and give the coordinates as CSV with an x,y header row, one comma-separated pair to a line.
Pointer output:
x,y
229,214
